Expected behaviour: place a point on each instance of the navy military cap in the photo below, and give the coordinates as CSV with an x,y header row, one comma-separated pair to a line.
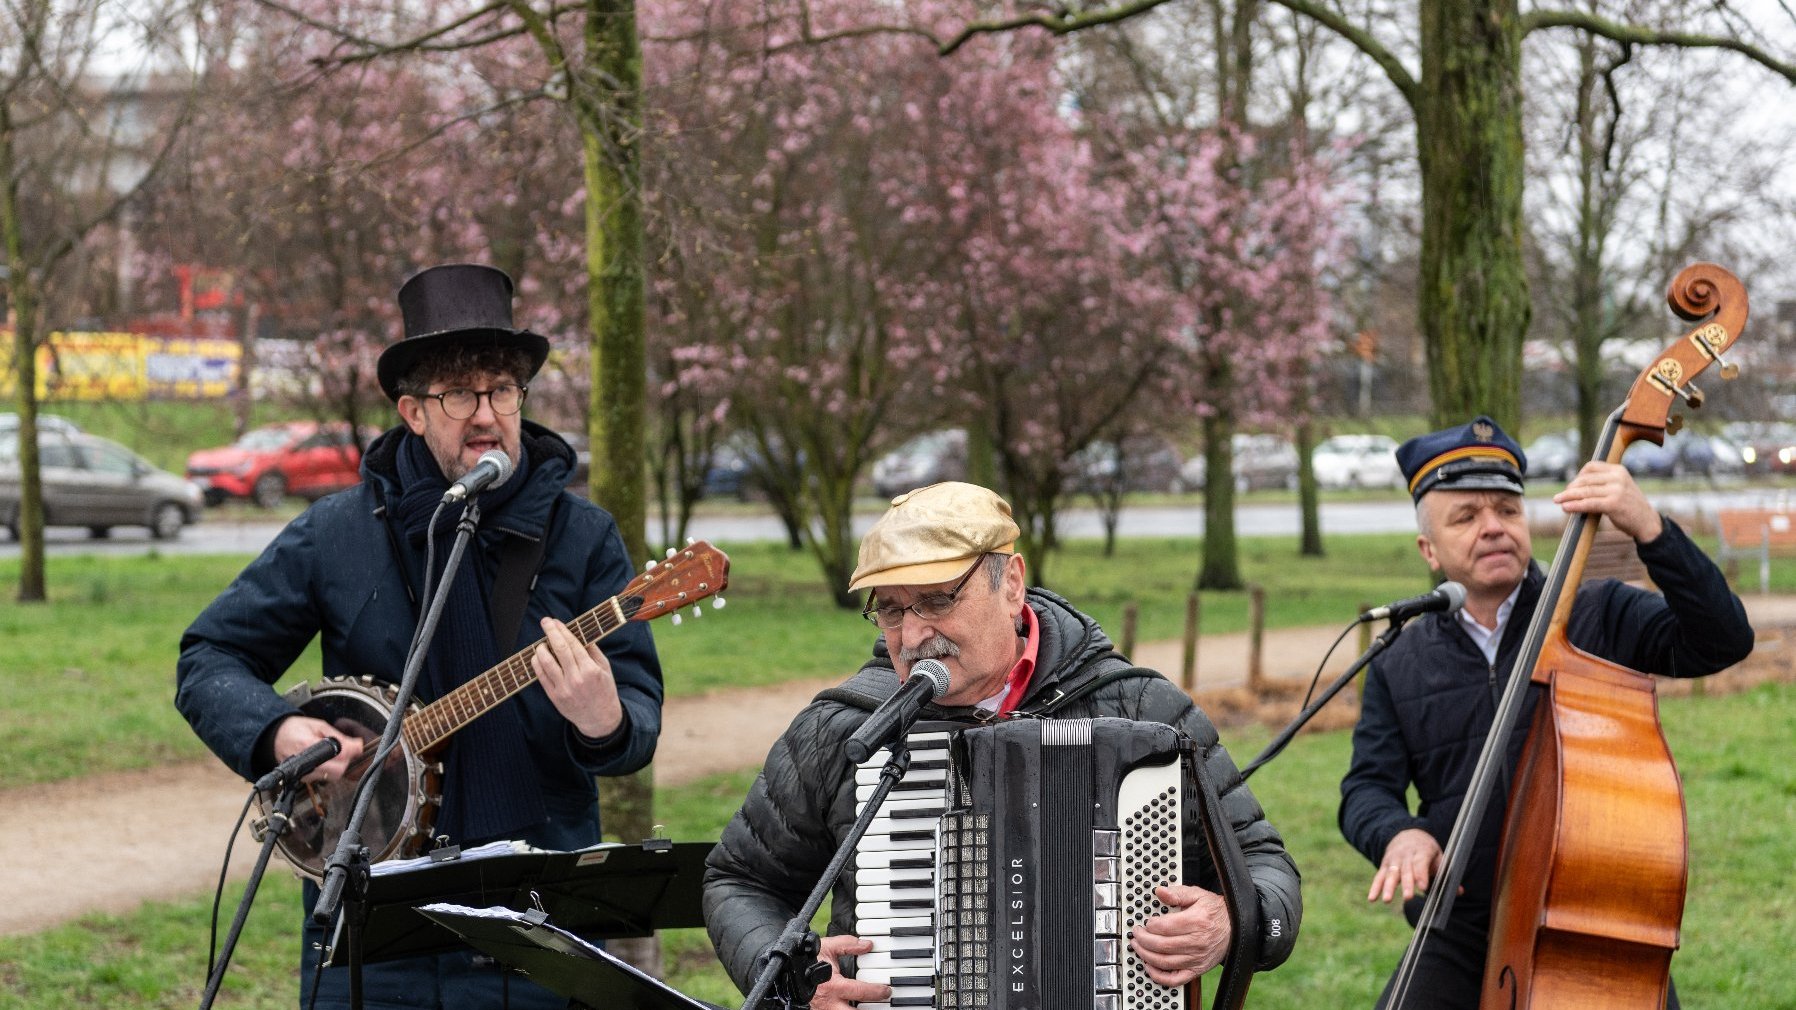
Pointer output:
x,y
1475,456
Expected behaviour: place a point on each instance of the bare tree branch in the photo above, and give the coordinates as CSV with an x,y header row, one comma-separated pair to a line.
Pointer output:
x,y
1060,22
1543,19
429,41
1363,40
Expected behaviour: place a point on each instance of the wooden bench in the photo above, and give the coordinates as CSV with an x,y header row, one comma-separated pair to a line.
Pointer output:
x,y
1612,554
1754,533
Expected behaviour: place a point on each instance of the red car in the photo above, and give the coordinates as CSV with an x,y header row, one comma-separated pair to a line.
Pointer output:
x,y
294,457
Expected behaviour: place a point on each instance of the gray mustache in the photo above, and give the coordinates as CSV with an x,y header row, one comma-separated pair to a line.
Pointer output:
x,y
934,647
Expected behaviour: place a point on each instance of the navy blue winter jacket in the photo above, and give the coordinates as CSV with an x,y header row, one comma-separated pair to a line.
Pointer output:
x,y
344,572
1430,699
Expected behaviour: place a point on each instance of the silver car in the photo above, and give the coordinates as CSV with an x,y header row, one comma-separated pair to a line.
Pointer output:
x,y
92,482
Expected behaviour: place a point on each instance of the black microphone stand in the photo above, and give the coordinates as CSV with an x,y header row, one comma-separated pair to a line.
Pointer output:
x,y
276,826
1381,643
346,873
790,966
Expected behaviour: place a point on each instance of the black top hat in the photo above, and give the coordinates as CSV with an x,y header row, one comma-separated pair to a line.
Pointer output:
x,y
457,303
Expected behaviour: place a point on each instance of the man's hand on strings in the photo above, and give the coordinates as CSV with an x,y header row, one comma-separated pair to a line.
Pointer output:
x,y
1608,489
577,678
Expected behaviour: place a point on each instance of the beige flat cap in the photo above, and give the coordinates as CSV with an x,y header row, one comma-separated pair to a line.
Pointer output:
x,y
934,534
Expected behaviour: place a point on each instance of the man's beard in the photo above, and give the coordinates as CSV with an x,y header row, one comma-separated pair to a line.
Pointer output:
x,y
935,646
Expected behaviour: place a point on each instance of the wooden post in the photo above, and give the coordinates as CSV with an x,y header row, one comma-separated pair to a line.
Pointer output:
x,y
1188,665
1256,631
1131,613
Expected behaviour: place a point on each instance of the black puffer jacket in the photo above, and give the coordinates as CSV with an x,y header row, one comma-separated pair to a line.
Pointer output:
x,y
777,846
1430,699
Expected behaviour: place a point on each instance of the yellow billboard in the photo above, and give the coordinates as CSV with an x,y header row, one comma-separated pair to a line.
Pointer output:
x,y
127,366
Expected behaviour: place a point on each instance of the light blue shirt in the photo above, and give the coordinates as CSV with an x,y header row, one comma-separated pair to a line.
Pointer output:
x,y
1488,639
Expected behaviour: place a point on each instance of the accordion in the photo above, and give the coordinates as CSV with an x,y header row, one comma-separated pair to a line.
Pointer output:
x,y
1008,866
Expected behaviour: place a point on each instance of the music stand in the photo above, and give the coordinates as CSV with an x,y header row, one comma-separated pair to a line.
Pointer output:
x,y
558,960
603,892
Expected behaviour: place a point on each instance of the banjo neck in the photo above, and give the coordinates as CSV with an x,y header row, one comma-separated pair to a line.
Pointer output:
x,y
688,576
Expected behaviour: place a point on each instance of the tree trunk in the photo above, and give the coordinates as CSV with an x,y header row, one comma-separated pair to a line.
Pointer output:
x,y
21,295
612,82
1474,292
1308,506
1221,567
1590,327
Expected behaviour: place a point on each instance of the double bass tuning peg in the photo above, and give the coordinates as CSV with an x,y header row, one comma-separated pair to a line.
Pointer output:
x,y
1691,394
1675,424
1709,340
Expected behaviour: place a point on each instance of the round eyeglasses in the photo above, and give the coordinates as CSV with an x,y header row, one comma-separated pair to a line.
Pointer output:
x,y
461,404
929,606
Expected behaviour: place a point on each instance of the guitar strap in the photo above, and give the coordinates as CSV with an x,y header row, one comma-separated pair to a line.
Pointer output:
x,y
520,558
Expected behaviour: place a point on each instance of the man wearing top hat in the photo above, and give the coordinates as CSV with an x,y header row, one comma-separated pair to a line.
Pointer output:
x,y
350,570
1430,699
944,581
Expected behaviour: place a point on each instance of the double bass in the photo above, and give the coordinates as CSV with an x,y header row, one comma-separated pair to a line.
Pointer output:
x,y
1589,893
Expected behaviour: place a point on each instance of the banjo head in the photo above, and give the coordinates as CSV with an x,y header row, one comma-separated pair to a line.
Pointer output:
x,y
405,798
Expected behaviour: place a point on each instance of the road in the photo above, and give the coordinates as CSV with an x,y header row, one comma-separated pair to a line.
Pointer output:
x,y
248,536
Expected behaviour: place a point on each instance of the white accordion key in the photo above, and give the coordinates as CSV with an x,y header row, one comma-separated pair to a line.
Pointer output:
x,y
869,928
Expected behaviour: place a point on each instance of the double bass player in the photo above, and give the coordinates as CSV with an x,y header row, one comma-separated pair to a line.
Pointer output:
x,y
1430,699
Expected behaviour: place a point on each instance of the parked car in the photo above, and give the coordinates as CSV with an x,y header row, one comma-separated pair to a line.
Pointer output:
x,y
1264,461
9,423
1260,461
1554,456
92,482
1345,461
1145,463
305,458
1686,453
1765,446
926,459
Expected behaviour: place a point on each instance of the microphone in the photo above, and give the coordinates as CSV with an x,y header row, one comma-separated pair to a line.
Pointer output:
x,y
1448,597
928,681
299,765
494,468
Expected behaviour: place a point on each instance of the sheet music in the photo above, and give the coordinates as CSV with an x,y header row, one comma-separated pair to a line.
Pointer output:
x,y
504,847
544,934
638,989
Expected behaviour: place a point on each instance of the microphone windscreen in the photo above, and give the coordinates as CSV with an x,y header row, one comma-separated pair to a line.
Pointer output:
x,y
1455,596
935,672
499,459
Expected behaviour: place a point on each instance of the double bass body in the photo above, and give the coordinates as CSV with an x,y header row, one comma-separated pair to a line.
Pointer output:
x,y
1590,886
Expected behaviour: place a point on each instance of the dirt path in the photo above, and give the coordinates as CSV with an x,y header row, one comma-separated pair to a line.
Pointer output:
x,y
109,842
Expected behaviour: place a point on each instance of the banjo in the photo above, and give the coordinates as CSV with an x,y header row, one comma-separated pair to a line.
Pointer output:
x,y
408,793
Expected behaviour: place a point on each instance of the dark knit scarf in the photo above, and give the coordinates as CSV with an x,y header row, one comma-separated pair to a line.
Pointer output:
x,y
490,788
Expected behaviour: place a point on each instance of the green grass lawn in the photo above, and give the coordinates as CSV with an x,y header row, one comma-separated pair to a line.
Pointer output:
x,y
1739,928
90,675
93,669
